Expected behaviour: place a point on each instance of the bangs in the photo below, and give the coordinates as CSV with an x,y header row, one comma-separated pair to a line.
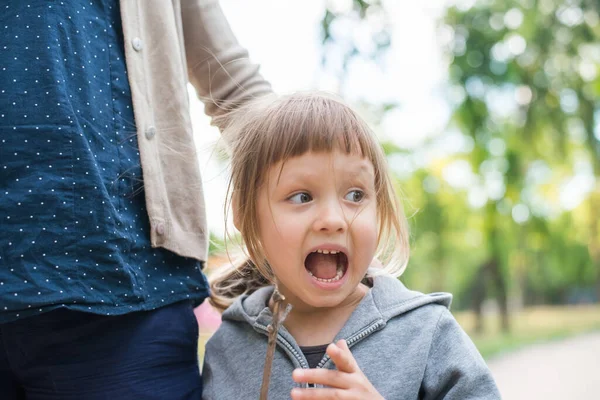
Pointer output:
x,y
299,124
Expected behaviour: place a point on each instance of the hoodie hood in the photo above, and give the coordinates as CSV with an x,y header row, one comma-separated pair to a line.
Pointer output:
x,y
388,298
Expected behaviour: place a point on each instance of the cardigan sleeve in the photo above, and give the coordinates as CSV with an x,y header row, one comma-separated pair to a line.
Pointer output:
x,y
218,66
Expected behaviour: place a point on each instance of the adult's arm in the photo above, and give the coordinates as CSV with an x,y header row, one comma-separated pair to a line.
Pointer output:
x,y
218,66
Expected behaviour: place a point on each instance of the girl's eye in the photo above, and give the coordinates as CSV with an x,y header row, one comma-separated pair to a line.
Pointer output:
x,y
300,198
355,196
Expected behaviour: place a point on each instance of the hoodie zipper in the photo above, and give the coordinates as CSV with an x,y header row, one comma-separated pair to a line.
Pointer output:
x,y
353,339
356,338
286,344
350,341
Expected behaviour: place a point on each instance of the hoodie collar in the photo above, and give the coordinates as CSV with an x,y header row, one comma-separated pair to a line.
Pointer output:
x,y
387,298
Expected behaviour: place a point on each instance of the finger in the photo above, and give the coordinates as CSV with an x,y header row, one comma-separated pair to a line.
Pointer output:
x,y
319,394
321,376
343,344
341,355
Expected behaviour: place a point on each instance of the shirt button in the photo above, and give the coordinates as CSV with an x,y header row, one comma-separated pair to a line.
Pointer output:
x,y
137,43
160,228
150,132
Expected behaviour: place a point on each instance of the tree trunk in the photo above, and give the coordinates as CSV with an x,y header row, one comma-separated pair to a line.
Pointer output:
x,y
594,239
495,266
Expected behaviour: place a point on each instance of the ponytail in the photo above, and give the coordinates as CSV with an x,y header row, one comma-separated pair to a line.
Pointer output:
x,y
231,282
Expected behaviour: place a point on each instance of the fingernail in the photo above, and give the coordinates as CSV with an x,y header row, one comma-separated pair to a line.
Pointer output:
x,y
298,372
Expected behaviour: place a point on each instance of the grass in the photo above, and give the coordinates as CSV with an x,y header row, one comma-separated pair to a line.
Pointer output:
x,y
531,325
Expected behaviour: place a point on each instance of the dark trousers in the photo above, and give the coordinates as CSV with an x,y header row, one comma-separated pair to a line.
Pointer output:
x,y
78,356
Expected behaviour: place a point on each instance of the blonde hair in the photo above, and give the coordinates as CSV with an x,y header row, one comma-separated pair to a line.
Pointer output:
x,y
273,129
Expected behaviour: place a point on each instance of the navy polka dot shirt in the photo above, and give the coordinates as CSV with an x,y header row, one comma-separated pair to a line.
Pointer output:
x,y
74,231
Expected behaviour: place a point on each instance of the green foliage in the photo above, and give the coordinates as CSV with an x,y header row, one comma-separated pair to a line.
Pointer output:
x,y
216,245
540,54
528,77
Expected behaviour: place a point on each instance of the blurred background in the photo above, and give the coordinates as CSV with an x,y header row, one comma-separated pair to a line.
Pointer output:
x,y
489,114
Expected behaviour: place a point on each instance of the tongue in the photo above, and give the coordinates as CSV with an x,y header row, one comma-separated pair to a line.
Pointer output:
x,y
322,266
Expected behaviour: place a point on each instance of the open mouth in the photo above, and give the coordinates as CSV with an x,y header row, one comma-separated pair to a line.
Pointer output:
x,y
326,265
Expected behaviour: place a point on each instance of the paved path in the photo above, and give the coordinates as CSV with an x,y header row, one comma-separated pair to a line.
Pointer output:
x,y
567,369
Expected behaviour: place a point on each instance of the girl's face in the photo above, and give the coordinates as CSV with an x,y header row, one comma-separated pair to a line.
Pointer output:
x,y
317,217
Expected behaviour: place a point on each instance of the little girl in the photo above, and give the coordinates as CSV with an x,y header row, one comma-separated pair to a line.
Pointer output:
x,y
312,198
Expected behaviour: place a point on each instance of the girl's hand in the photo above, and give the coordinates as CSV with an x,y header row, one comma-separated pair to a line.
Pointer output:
x,y
348,382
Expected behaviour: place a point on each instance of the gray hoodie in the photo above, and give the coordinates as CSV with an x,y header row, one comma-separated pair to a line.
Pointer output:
x,y
407,344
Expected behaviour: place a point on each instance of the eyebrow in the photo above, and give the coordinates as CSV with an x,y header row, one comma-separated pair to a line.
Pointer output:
x,y
362,172
363,169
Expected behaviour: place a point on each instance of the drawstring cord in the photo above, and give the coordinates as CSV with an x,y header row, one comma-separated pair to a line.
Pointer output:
x,y
279,315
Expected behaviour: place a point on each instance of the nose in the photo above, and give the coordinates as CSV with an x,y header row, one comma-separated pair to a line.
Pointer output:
x,y
331,217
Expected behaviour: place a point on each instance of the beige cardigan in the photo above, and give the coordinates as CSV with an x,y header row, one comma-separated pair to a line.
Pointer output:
x,y
168,42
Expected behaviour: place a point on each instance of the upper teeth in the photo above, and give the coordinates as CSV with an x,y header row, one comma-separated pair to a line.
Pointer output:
x,y
327,251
